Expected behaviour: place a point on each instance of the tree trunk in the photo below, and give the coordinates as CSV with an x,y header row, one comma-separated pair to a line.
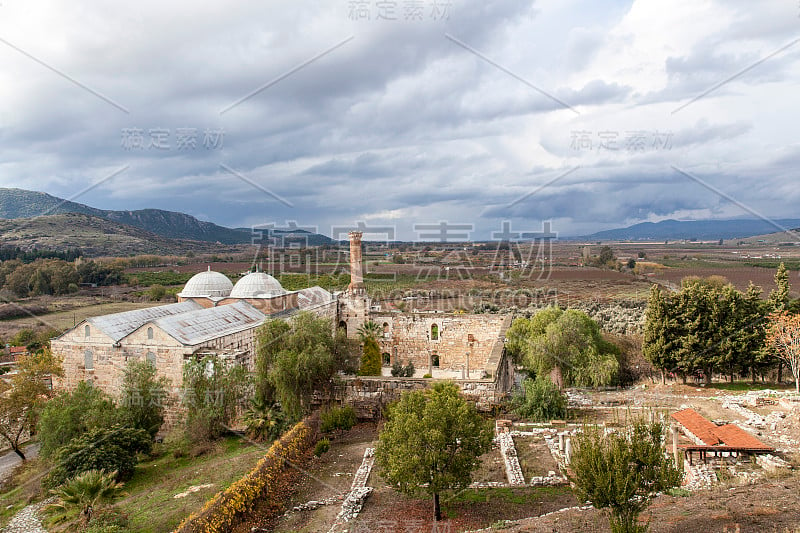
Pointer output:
x,y
708,377
437,511
663,377
780,371
753,375
683,377
18,451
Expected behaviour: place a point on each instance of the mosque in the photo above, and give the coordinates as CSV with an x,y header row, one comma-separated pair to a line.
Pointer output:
x,y
214,316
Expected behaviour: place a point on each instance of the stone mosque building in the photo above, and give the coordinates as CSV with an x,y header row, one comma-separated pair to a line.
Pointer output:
x,y
214,316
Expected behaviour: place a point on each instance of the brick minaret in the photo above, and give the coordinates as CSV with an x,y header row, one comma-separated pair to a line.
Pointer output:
x,y
356,273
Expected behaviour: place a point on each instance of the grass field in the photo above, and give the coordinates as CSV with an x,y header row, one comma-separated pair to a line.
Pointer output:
x,y
154,502
66,319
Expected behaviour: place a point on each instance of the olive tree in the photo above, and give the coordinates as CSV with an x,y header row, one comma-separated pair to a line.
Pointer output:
x,y
620,472
431,442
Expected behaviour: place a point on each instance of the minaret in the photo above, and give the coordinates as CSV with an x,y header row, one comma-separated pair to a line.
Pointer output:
x,y
356,270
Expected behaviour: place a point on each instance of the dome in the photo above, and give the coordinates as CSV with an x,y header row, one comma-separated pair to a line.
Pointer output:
x,y
255,285
207,283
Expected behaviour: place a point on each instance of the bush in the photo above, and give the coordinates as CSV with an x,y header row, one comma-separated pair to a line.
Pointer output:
x,y
86,491
342,418
156,292
259,486
70,415
621,472
427,376
111,449
263,422
400,371
323,445
540,400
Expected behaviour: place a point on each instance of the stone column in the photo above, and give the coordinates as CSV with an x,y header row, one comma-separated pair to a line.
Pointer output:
x,y
356,269
568,450
675,450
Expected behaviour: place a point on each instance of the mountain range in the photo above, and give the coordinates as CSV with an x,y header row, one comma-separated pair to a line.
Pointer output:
x,y
701,230
23,204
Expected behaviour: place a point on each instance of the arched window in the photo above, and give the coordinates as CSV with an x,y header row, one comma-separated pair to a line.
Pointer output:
x,y
149,334
87,331
435,360
434,332
343,326
88,360
151,358
387,359
386,330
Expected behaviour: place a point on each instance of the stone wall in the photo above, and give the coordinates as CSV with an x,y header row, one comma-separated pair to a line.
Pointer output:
x,y
457,341
370,395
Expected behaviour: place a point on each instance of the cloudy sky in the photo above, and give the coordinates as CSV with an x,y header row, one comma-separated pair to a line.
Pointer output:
x,y
398,113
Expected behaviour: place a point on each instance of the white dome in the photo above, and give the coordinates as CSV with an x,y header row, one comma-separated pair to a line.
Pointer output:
x,y
207,283
255,285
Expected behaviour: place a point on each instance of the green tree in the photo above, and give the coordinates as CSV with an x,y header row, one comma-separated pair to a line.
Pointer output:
x,y
299,358
540,400
621,472
264,422
24,395
370,359
369,330
144,396
661,336
569,346
779,297
431,442
213,389
71,414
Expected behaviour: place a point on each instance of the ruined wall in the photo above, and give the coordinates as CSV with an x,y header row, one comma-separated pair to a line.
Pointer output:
x,y
419,337
369,396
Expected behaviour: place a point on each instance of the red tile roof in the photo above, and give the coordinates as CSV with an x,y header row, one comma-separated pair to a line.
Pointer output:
x,y
698,425
729,435
735,437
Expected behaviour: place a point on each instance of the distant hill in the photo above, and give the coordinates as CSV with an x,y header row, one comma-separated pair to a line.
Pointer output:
x,y
701,230
94,236
20,203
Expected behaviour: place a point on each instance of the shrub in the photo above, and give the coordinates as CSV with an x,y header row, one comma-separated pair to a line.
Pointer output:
x,y
400,371
621,472
86,491
264,422
322,446
342,418
224,510
540,400
427,376
70,415
111,449
156,292
397,369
